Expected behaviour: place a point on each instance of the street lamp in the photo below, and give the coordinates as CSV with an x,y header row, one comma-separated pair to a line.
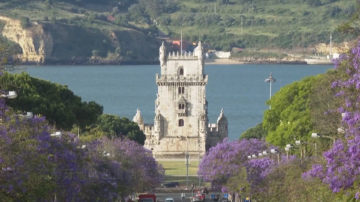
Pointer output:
x,y
287,149
9,94
317,135
27,115
300,142
275,151
56,134
270,80
187,159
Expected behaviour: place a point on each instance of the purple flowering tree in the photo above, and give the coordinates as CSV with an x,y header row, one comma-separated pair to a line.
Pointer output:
x,y
227,158
143,173
342,168
38,167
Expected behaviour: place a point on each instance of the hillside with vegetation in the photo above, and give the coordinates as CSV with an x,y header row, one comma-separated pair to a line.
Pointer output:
x,y
75,32
124,31
271,24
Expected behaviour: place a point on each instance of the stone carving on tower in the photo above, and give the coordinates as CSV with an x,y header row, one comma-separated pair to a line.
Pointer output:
x,y
181,108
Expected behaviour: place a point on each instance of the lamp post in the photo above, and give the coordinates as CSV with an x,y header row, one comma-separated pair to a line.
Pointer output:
x,y
187,159
274,151
317,135
9,94
56,134
270,80
27,115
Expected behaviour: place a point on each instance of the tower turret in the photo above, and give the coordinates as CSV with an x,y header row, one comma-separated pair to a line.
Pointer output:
x,y
199,52
138,119
222,125
158,125
162,58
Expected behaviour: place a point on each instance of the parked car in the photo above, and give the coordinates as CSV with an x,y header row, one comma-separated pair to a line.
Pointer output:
x,y
169,200
170,184
201,196
197,198
147,198
215,197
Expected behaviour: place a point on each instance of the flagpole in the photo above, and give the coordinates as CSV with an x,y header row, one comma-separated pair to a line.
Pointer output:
x,y
181,44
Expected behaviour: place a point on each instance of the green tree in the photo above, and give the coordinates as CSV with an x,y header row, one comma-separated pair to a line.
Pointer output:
x,y
56,102
289,117
256,132
324,104
113,126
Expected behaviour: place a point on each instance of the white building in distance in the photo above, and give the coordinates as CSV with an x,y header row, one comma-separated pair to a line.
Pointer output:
x,y
181,121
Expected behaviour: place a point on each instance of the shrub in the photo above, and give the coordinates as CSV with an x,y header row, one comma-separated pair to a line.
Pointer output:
x,y
25,22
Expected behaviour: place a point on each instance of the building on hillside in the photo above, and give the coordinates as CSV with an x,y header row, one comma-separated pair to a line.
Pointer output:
x,y
176,45
181,120
111,18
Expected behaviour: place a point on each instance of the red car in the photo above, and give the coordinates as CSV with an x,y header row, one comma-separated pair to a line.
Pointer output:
x,y
199,197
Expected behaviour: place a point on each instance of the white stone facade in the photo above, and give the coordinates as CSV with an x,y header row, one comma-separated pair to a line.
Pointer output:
x,y
181,121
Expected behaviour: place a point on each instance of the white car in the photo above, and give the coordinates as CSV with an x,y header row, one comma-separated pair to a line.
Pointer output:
x,y
169,200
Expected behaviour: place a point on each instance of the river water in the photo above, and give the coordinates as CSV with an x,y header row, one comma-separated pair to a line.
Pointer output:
x,y
239,89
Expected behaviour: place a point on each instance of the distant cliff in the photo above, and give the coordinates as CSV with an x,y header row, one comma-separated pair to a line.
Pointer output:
x,y
55,43
36,44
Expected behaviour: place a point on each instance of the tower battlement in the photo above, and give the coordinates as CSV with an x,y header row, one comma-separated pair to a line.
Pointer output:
x,y
185,56
179,79
181,122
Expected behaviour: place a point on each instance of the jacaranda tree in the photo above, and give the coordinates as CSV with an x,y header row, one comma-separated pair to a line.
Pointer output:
x,y
226,158
38,166
342,168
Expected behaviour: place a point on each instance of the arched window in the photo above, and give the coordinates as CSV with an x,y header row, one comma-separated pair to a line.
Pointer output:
x,y
181,71
179,90
183,106
181,122
182,90
180,106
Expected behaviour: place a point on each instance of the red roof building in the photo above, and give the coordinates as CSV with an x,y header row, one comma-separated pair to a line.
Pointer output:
x,y
111,18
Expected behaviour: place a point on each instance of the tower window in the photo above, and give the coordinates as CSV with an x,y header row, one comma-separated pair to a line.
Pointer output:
x,y
181,90
181,122
181,71
181,106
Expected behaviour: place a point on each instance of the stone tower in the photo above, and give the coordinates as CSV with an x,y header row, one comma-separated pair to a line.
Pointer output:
x,y
181,121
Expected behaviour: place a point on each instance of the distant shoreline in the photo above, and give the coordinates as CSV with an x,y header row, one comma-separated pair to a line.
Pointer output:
x,y
206,61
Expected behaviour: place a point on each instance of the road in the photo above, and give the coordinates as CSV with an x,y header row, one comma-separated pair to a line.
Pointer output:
x,y
177,196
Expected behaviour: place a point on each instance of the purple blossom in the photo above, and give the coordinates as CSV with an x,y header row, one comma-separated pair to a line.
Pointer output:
x,y
342,165
225,159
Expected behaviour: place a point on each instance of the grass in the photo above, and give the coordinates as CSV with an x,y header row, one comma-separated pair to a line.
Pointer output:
x,y
179,167
175,171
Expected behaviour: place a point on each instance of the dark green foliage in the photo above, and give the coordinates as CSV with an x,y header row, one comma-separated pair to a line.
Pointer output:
x,y
313,2
114,126
25,22
155,8
56,102
256,132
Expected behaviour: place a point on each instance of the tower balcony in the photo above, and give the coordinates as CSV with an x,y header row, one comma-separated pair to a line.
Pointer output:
x,y
181,112
192,78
